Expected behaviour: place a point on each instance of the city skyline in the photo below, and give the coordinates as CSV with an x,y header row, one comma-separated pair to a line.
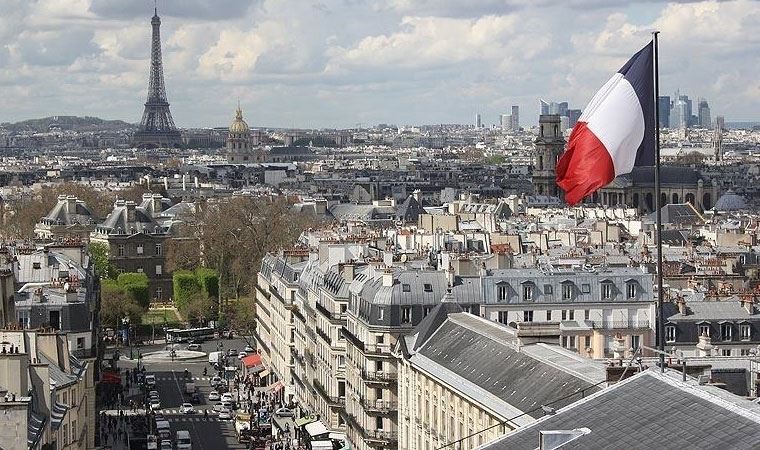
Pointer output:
x,y
417,62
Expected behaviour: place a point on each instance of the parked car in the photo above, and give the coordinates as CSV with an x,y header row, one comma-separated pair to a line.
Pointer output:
x,y
186,408
214,396
232,352
194,347
215,381
218,407
226,397
242,355
249,349
152,393
155,404
150,380
225,414
166,444
284,412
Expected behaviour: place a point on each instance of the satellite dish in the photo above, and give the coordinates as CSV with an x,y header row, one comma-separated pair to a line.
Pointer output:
x,y
404,258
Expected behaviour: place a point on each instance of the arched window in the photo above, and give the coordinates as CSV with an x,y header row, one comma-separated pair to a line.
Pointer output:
x,y
690,198
663,199
706,201
540,162
675,197
649,200
635,199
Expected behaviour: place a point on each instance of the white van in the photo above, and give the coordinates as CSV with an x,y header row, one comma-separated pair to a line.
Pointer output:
x,y
163,429
183,440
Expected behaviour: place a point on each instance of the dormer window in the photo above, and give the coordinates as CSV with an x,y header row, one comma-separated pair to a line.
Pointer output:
x,y
527,292
406,314
501,292
428,287
607,290
726,331
406,288
630,289
36,265
746,332
670,333
567,291
704,330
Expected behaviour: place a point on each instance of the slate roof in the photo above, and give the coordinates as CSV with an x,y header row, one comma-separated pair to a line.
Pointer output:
x,y
679,213
81,216
715,310
649,410
674,175
516,378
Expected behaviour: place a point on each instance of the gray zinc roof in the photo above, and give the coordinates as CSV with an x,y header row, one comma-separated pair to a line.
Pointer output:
x,y
649,410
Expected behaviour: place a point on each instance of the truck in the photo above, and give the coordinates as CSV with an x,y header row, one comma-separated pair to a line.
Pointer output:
x,y
214,357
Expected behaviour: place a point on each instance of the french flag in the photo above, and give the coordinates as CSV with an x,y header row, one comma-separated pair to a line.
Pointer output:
x,y
615,133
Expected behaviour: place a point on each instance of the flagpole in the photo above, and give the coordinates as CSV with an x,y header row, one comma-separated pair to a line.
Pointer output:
x,y
658,231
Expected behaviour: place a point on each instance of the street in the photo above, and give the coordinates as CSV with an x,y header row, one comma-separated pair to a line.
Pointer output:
x,y
205,432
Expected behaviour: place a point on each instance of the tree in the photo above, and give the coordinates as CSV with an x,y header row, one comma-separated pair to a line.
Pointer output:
x,y
243,317
199,309
116,304
182,253
136,287
103,266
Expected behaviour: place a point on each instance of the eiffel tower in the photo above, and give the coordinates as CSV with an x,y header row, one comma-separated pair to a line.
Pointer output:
x,y
157,127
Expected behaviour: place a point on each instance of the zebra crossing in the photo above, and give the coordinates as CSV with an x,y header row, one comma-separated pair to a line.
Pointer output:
x,y
181,378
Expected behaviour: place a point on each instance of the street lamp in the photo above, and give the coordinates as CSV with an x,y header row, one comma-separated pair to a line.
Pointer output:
x,y
125,322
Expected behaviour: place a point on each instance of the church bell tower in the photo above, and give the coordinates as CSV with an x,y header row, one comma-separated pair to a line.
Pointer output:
x,y
550,144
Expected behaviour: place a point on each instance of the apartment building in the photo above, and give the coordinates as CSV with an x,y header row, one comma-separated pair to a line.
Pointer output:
x,y
48,395
70,218
589,308
465,381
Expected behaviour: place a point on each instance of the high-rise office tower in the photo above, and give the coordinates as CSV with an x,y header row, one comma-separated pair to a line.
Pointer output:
x,y
477,121
562,108
663,103
686,111
544,107
704,114
572,117
515,118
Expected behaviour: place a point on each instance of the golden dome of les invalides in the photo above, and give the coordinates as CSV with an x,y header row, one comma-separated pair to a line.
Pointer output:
x,y
238,126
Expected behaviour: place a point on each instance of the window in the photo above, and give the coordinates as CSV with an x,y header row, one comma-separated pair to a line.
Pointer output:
x,y
503,317
65,434
140,270
159,250
36,265
159,269
379,423
406,287
380,338
549,315
571,314
606,291
572,341
527,316
548,290
670,333
23,318
586,288
80,343
380,313
501,292
630,290
635,341
567,291
704,330
746,332
159,293
427,287
564,314
139,249
527,292
744,352
379,366
120,250
587,340
725,352
426,311
406,314
726,331
586,314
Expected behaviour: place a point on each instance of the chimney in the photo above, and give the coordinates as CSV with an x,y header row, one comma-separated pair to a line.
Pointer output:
x,y
417,194
155,204
388,277
184,181
681,303
197,184
349,272
618,347
130,210
388,258
748,303
71,204
704,346
166,183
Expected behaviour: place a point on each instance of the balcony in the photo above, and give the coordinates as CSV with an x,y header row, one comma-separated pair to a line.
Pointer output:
x,y
332,401
374,438
262,291
324,336
332,317
367,349
621,325
310,359
297,357
379,377
378,406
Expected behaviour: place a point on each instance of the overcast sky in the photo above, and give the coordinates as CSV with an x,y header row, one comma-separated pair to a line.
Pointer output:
x,y
338,63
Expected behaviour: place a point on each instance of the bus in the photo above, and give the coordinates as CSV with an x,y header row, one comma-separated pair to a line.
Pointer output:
x,y
195,334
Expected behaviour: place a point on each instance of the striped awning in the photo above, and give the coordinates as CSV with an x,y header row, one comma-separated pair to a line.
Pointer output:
x,y
34,429
57,414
